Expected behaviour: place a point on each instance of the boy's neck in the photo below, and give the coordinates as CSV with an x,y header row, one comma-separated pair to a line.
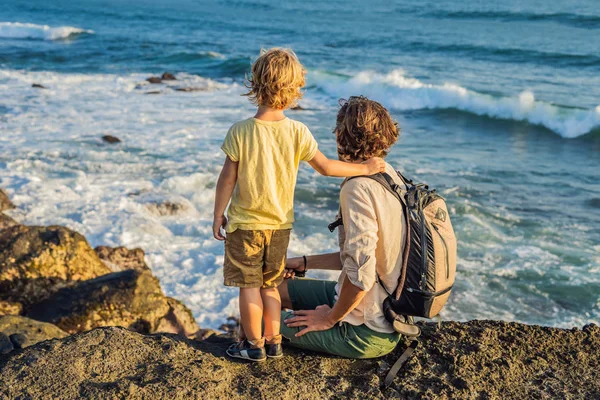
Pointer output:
x,y
265,113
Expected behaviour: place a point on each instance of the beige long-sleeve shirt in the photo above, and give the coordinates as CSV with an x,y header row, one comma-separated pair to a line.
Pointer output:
x,y
371,243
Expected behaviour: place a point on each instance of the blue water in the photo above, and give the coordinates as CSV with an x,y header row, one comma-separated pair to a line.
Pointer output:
x,y
499,104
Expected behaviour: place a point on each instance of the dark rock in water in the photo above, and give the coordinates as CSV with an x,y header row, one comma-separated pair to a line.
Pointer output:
x,y
167,208
191,89
472,360
111,139
297,108
6,345
7,222
154,79
28,332
121,258
18,340
168,77
35,261
5,203
131,299
154,92
594,202
38,86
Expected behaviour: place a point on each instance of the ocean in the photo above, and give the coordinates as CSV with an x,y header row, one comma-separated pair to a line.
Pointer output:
x,y
499,104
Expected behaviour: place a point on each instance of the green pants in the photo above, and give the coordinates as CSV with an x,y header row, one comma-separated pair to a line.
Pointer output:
x,y
343,339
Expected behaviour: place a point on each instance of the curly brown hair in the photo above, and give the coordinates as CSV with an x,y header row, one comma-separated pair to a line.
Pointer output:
x,y
364,129
276,80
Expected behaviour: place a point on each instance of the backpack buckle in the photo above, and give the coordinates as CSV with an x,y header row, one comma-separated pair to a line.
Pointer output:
x,y
335,224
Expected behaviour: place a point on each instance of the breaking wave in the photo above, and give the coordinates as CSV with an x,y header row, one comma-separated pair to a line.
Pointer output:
x,y
400,92
19,30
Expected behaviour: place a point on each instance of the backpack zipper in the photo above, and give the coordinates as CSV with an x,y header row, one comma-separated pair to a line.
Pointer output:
x,y
445,250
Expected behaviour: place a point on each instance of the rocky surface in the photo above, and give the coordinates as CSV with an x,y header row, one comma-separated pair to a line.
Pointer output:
x,y
121,258
31,331
5,203
474,360
131,299
6,222
35,261
10,308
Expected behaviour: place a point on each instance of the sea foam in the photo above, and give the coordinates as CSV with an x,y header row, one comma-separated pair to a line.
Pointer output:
x,y
19,30
399,92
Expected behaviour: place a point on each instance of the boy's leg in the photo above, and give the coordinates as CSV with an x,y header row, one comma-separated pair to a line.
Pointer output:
x,y
251,312
271,311
243,267
275,257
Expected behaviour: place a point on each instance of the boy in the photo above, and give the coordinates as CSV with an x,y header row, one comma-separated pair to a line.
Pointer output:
x,y
260,172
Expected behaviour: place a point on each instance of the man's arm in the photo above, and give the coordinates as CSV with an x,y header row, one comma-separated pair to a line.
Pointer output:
x,y
329,261
327,167
225,186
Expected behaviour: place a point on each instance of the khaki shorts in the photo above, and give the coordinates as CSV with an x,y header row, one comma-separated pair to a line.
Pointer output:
x,y
255,259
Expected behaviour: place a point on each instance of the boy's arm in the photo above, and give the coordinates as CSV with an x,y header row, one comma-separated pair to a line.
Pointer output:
x,y
225,186
328,167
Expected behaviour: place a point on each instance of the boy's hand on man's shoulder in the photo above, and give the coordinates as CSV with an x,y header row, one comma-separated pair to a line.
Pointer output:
x,y
375,165
218,223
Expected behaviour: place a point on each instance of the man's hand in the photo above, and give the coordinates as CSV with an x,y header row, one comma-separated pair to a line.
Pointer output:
x,y
218,223
291,266
375,165
313,320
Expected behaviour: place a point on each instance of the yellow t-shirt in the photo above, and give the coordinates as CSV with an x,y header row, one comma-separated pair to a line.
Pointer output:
x,y
268,153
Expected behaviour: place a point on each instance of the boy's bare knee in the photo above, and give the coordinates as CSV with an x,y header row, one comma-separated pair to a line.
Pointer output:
x,y
286,302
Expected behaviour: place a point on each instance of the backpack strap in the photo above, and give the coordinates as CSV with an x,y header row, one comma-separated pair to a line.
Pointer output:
x,y
391,186
389,378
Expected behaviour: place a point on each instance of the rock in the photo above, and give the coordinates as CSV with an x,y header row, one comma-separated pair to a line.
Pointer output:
x,y
167,208
515,361
6,345
168,77
191,89
7,222
154,79
204,334
178,320
26,332
38,86
10,308
298,108
18,340
131,299
231,327
5,203
154,92
121,258
35,261
111,139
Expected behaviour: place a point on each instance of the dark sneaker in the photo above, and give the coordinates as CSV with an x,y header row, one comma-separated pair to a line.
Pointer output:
x,y
274,350
246,351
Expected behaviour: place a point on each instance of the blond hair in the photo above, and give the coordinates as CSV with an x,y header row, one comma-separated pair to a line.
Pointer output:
x,y
276,79
364,129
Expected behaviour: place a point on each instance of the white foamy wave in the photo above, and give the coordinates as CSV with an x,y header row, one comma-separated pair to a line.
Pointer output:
x,y
19,30
400,92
